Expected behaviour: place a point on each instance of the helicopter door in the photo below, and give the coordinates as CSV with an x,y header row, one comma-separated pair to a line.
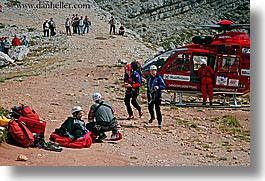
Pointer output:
x,y
196,65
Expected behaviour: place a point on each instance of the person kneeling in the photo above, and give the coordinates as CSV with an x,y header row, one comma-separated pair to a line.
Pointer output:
x,y
101,119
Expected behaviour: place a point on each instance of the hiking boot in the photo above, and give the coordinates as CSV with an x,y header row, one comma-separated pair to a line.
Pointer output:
x,y
140,113
101,137
211,103
204,103
151,120
53,147
130,117
115,137
160,126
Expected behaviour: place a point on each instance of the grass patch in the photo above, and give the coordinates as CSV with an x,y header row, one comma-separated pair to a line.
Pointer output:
x,y
231,121
231,125
222,159
4,111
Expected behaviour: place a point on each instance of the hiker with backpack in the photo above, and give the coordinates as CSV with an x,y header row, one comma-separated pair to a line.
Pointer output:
x,y
101,119
132,83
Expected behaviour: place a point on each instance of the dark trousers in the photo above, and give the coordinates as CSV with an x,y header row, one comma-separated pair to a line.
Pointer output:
x,y
103,128
131,98
112,28
52,31
6,50
155,103
68,30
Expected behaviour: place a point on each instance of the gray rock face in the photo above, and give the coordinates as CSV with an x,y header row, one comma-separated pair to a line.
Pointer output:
x,y
159,20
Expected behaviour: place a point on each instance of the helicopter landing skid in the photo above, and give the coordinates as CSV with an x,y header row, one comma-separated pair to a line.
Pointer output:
x,y
225,104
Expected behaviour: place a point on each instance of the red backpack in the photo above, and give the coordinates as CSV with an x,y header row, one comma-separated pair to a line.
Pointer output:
x,y
20,133
30,118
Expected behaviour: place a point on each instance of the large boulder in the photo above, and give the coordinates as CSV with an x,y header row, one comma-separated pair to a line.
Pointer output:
x,y
5,59
18,52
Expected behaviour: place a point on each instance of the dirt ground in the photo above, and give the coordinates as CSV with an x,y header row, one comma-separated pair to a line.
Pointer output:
x,y
189,137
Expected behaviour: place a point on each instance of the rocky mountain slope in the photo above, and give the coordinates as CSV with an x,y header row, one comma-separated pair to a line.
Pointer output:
x,y
160,21
64,71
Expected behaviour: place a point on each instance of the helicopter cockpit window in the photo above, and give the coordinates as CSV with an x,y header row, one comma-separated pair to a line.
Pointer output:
x,y
180,63
230,64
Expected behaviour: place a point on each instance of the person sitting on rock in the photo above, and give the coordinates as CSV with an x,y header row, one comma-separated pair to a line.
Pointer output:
x,y
103,113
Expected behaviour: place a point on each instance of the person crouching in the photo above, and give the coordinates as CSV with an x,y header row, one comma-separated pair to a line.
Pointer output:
x,y
101,119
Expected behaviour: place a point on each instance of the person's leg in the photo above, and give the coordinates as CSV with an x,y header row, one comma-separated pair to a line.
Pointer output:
x,y
135,103
158,111
151,110
210,92
128,105
204,93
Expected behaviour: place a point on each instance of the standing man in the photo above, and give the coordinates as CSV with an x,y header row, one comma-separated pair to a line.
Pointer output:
x,y
52,27
67,26
155,84
25,42
81,26
112,23
103,113
132,83
6,45
45,27
16,41
206,73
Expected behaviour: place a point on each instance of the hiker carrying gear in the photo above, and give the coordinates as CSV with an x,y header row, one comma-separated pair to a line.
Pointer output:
x,y
73,127
101,119
206,73
132,83
155,84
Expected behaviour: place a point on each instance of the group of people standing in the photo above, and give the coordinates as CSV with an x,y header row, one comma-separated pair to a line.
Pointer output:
x,y
5,44
49,27
80,25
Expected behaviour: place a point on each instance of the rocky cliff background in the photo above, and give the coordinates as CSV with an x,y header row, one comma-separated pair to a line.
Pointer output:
x,y
168,22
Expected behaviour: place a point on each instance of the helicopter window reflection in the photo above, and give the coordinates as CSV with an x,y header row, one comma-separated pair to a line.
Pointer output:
x,y
180,63
230,64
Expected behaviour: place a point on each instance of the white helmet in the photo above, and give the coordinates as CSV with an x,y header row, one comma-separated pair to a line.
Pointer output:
x,y
96,96
203,61
153,67
76,109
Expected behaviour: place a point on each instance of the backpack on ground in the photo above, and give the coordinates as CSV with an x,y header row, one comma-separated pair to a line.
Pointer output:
x,y
20,133
30,118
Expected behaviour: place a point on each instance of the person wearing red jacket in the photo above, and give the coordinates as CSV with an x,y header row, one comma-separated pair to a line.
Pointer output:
x,y
132,83
16,41
206,73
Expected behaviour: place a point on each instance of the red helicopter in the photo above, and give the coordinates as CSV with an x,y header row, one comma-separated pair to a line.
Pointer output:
x,y
228,53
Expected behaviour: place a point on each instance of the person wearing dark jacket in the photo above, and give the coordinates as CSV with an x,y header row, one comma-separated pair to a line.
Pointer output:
x,y
155,84
101,119
132,83
73,127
